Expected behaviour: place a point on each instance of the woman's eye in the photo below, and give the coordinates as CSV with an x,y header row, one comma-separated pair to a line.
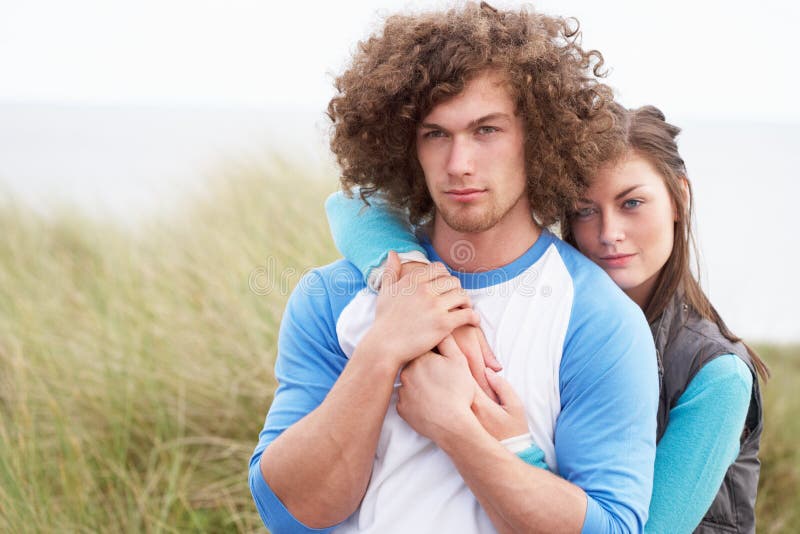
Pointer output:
x,y
583,213
631,203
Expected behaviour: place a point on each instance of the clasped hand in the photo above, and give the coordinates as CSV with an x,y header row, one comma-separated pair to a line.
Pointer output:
x,y
426,308
439,396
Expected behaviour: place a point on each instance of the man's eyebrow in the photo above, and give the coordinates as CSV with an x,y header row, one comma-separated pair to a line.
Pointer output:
x,y
431,126
489,117
623,193
472,124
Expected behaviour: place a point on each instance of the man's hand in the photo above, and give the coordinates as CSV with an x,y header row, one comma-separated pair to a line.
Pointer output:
x,y
506,419
437,392
414,313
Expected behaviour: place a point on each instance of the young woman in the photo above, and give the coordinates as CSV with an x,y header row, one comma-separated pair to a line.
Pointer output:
x,y
634,221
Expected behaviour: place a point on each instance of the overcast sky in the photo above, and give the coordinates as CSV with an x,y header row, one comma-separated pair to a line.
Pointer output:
x,y
695,59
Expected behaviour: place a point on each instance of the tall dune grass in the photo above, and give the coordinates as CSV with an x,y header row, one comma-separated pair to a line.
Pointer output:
x,y
136,365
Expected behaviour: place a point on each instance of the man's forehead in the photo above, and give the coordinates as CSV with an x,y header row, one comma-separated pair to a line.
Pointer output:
x,y
485,94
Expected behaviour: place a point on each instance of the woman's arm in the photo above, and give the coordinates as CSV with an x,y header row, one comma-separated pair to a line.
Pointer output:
x,y
365,234
503,416
700,443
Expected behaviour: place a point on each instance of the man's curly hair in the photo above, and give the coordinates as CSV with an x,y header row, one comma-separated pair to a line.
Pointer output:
x,y
417,61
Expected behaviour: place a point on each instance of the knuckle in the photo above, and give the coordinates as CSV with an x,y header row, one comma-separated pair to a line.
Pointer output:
x,y
436,287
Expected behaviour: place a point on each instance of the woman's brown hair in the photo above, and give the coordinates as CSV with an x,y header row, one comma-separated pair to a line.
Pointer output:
x,y
645,132
417,61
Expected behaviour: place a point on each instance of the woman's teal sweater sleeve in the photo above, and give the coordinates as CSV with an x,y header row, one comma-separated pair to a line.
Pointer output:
x,y
365,235
700,443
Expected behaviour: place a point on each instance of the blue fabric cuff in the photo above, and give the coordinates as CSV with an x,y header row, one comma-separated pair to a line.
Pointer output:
x,y
534,456
273,513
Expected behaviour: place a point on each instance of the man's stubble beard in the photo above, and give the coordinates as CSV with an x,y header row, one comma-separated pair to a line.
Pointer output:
x,y
464,222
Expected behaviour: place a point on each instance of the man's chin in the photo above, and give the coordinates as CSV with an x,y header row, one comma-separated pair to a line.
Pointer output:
x,y
469,224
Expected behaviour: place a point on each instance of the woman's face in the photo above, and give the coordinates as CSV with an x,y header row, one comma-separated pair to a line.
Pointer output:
x,y
626,224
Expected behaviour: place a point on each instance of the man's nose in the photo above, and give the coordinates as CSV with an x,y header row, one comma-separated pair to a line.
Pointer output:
x,y
461,158
611,229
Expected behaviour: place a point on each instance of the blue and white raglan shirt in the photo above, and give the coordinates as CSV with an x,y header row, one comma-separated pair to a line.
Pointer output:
x,y
577,351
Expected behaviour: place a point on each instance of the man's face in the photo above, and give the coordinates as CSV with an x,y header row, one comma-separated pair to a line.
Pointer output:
x,y
472,151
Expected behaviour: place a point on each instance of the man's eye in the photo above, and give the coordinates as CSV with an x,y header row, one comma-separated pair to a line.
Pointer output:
x,y
631,203
485,130
433,134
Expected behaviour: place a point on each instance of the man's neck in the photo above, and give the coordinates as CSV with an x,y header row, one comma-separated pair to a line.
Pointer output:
x,y
487,250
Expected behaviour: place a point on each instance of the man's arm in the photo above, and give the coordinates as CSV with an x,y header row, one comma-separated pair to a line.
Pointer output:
x,y
605,436
315,453
435,400
308,365
320,466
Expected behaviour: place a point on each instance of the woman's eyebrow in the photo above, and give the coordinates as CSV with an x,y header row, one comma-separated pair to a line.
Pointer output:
x,y
622,194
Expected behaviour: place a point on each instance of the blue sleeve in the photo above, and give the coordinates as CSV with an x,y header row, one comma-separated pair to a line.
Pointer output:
x,y
308,363
605,436
365,234
700,442
534,456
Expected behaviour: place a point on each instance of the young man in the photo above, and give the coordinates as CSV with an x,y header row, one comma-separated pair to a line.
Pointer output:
x,y
473,120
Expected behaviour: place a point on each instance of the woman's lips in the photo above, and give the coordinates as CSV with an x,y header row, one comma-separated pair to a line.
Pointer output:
x,y
616,260
465,195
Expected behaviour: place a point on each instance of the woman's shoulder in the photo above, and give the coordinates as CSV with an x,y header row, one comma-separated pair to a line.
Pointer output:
x,y
703,335
699,356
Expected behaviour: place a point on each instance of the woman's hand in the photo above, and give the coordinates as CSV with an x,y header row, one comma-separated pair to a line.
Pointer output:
x,y
472,342
506,419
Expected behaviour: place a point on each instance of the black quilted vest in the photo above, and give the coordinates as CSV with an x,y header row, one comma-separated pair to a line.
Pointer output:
x,y
685,343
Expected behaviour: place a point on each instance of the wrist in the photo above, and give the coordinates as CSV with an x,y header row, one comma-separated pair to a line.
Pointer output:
x,y
378,350
460,427
518,443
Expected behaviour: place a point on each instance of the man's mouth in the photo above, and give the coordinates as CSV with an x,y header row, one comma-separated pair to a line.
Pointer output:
x,y
465,195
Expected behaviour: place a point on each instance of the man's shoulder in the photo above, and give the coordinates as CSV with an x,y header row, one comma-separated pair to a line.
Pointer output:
x,y
594,290
338,277
329,287
602,315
